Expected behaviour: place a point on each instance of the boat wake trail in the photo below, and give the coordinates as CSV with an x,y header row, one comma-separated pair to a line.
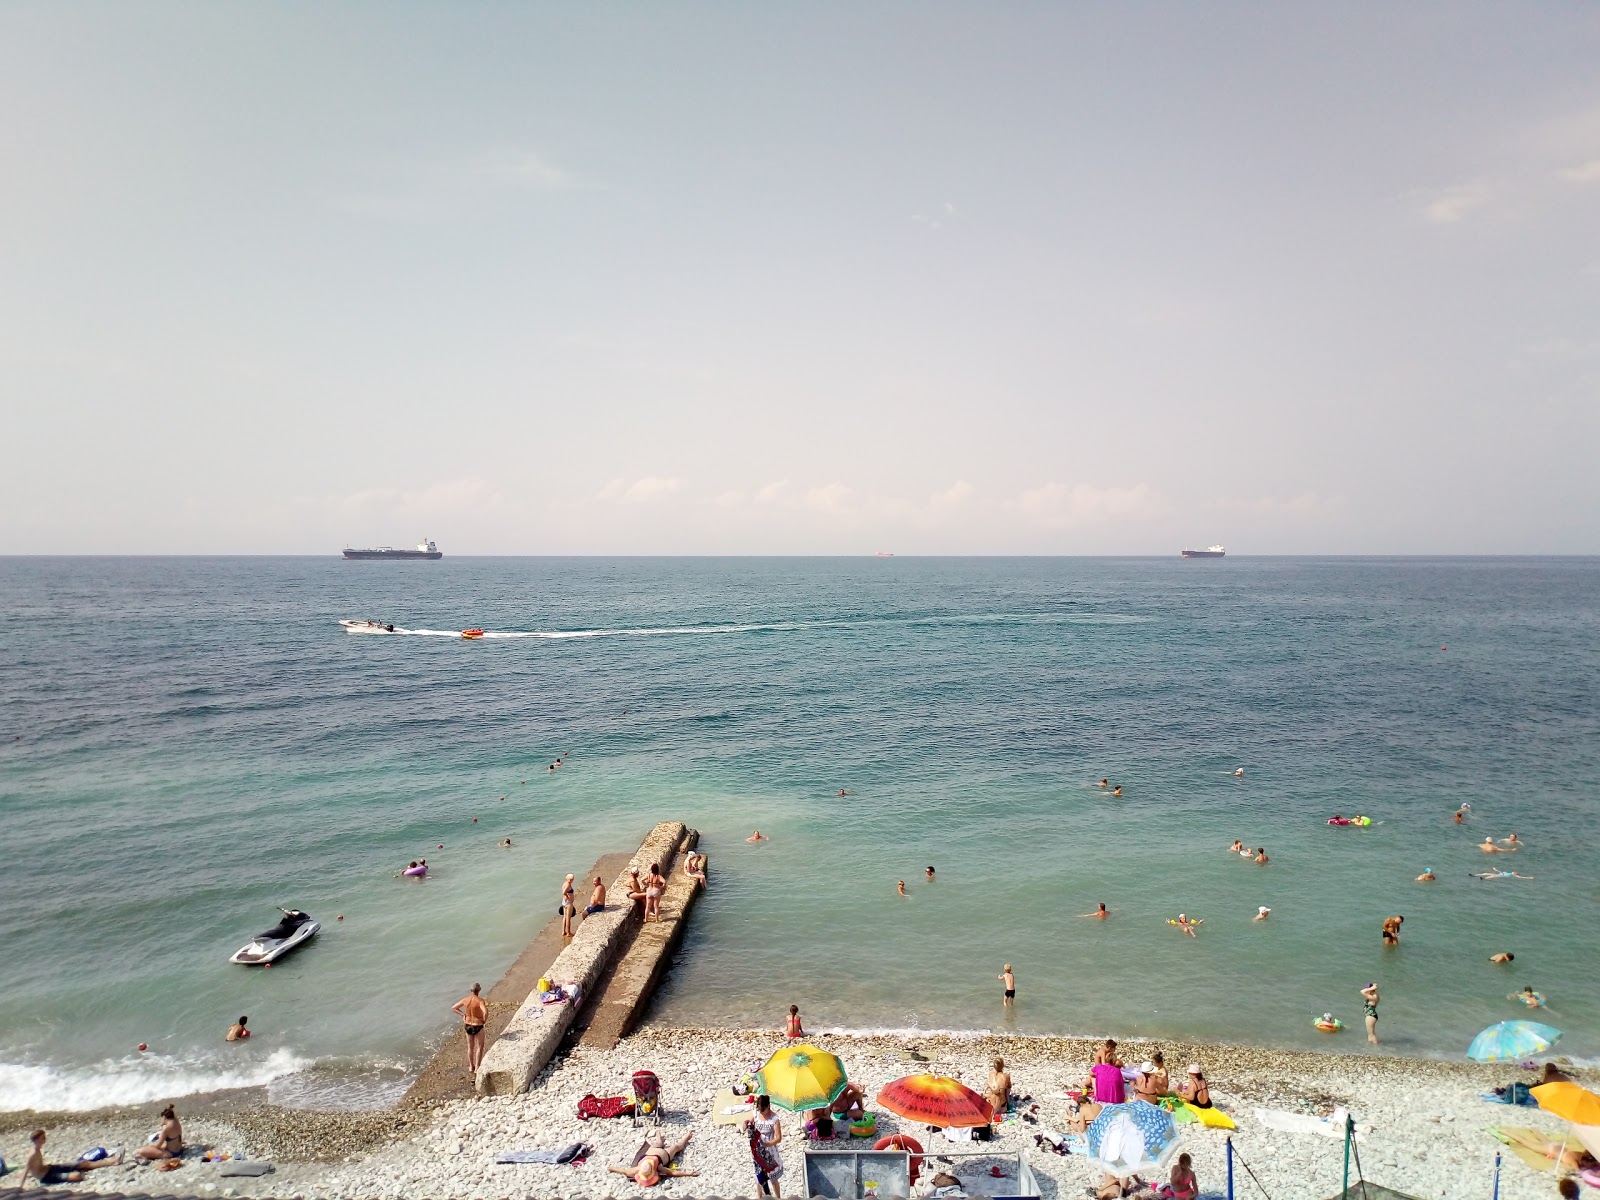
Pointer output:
x,y
571,634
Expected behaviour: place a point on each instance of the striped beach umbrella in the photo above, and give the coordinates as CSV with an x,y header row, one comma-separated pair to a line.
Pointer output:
x,y
935,1100
1512,1040
800,1078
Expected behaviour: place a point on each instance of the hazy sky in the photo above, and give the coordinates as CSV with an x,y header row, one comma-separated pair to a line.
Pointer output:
x,y
806,278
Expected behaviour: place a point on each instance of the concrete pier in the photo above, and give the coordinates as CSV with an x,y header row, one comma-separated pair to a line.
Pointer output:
x,y
534,1033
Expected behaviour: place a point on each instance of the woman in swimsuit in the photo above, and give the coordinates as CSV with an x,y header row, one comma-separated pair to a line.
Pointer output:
x,y
568,907
654,886
1196,1091
652,1166
694,866
169,1142
1369,1006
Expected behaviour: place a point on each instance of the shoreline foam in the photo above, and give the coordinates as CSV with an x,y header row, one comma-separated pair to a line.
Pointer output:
x,y
1423,1122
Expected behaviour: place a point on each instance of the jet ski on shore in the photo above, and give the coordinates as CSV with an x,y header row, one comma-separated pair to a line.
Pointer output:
x,y
369,627
295,929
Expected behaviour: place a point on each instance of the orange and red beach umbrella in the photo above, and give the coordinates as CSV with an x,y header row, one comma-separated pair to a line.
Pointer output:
x,y
935,1100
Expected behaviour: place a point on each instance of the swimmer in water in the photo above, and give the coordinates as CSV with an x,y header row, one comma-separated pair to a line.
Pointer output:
x,y
757,836
1427,876
929,873
902,887
507,842
1117,791
1504,956
1237,847
1099,914
1529,997
1261,856
842,792
1104,783
1498,875
1239,774
1511,842
1262,913
1188,926
1488,847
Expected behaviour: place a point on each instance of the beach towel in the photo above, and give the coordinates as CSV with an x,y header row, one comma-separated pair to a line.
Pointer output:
x,y
1288,1122
243,1169
1211,1118
607,1106
572,1152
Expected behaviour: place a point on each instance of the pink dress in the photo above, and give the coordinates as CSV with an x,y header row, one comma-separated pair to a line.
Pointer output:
x,y
1108,1087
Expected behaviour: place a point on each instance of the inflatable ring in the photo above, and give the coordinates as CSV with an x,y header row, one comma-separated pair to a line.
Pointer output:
x,y
899,1141
1326,1027
865,1127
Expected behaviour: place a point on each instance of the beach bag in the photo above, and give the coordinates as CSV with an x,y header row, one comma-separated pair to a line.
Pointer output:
x,y
604,1106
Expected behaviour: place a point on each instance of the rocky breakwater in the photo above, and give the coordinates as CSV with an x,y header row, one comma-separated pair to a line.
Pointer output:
x,y
534,1034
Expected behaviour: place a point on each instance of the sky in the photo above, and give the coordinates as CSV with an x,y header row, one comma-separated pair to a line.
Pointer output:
x,y
823,278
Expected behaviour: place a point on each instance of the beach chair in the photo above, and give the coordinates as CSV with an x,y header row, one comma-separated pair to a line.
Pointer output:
x,y
646,1098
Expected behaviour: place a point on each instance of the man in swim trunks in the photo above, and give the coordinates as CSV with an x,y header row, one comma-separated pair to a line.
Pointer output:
x,y
50,1173
1391,930
597,898
474,1016
1010,980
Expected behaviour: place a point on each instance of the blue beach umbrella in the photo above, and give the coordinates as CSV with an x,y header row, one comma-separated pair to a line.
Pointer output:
x,y
1512,1040
1127,1139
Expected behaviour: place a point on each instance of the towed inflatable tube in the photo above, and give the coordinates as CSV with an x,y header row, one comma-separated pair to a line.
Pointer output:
x,y
417,872
899,1141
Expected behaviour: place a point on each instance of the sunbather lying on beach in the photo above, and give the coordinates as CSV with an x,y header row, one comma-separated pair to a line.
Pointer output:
x,y
654,1161
1564,1152
48,1173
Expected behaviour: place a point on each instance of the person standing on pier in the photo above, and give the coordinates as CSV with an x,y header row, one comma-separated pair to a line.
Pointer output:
x,y
474,1016
569,905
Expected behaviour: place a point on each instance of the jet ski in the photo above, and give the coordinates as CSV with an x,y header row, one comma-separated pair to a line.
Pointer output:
x,y
295,929
369,627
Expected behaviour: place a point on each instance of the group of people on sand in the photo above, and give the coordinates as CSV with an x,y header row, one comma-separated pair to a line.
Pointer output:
x,y
165,1149
1108,1082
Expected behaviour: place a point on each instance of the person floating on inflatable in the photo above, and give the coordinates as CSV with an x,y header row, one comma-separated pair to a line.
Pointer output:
x,y
1188,926
1328,1023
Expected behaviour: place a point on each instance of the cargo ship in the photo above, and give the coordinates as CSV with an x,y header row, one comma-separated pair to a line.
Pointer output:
x,y
1208,552
425,549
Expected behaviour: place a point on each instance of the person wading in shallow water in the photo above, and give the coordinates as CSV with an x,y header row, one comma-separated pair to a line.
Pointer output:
x,y
474,1016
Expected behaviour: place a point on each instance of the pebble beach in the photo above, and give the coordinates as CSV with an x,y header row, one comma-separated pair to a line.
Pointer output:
x,y
1422,1124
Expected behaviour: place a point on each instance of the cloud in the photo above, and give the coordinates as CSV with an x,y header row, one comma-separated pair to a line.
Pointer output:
x,y
1057,504
641,491
424,190
1303,505
465,495
1451,205
1582,173
926,222
527,168
956,496
773,493
829,498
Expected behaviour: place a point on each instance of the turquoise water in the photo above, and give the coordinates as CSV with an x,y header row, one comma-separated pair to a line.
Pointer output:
x,y
190,742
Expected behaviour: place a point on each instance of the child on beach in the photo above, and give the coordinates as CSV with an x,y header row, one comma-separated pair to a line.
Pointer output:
x,y
1182,1185
1010,980
791,1024
238,1033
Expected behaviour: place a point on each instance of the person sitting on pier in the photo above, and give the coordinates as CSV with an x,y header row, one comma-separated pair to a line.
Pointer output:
x,y
597,900
694,866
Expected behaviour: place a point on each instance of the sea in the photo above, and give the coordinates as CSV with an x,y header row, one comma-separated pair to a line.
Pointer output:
x,y
187,744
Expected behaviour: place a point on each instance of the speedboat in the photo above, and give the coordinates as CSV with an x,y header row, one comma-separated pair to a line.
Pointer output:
x,y
368,627
295,929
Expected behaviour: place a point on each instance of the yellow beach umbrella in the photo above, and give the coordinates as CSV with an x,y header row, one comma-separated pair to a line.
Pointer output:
x,y
1569,1102
800,1078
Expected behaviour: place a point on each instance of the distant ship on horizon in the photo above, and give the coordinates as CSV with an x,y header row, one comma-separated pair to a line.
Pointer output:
x,y
425,549
884,554
1208,552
